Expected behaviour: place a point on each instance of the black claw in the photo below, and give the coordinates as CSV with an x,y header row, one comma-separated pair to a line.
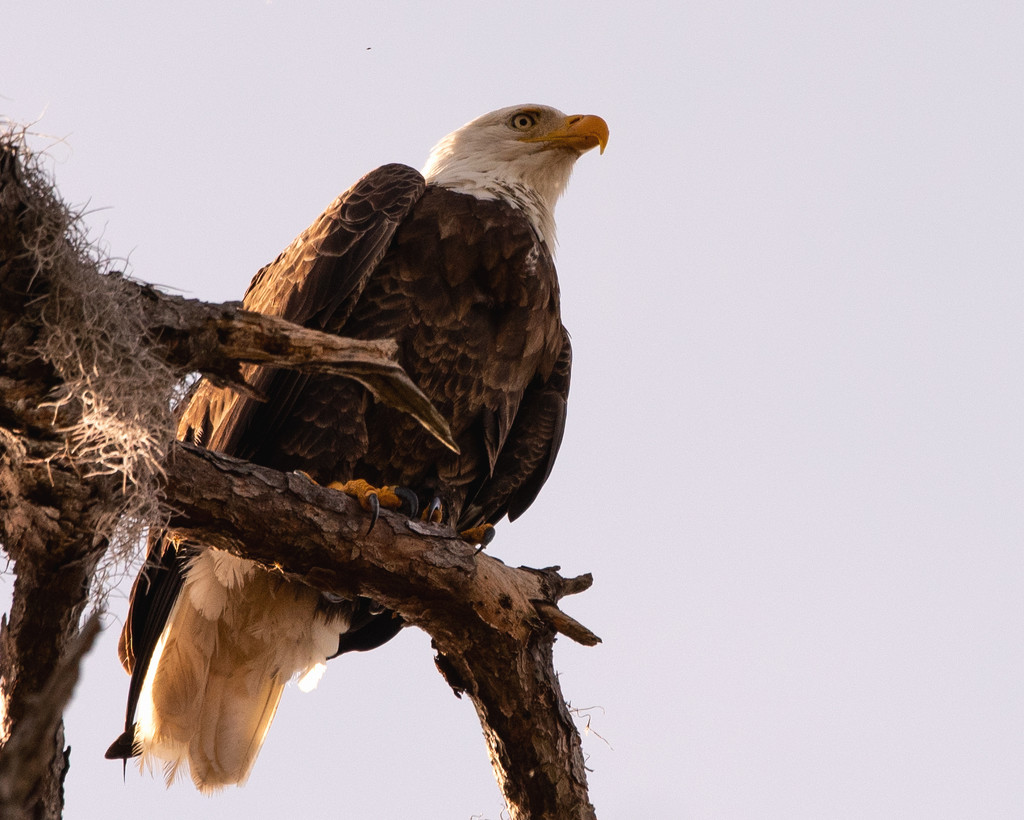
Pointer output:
x,y
433,507
410,503
374,503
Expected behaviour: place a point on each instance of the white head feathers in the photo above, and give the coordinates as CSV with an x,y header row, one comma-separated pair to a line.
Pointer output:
x,y
523,155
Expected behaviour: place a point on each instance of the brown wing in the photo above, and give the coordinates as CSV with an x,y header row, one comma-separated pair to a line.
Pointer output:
x,y
524,462
317,279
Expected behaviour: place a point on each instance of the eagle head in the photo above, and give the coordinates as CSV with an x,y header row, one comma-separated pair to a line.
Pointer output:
x,y
523,155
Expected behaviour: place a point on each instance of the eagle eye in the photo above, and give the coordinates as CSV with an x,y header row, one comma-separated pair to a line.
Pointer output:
x,y
523,120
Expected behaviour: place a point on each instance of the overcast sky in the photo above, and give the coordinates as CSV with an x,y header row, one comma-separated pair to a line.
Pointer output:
x,y
794,459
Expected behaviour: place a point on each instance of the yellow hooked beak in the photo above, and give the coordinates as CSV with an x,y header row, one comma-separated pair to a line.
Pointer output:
x,y
579,131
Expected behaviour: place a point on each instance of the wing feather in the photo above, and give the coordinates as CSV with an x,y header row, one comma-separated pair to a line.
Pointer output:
x,y
525,461
315,282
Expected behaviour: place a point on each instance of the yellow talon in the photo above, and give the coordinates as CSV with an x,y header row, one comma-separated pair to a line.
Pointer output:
x,y
362,490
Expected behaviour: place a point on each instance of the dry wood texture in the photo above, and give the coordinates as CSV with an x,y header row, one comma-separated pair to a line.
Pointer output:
x,y
492,625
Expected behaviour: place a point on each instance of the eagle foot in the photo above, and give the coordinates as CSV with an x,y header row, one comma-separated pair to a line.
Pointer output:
x,y
434,512
372,498
482,535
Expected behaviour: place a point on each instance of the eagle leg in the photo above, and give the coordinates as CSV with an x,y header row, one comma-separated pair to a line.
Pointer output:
x,y
372,498
482,535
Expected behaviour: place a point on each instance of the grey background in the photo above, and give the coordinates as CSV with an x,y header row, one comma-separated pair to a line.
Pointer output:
x,y
794,453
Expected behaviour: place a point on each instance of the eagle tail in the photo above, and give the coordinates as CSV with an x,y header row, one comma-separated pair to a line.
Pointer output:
x,y
238,712
236,635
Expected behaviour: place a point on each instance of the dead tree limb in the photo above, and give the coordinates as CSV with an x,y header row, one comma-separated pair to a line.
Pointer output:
x,y
50,518
215,339
493,626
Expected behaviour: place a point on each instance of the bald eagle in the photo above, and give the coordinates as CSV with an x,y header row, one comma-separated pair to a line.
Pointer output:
x,y
455,264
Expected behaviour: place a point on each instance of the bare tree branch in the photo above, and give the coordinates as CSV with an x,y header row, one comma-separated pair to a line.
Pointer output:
x,y
214,339
492,625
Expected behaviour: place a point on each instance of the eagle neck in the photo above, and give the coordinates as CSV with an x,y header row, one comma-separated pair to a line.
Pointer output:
x,y
519,196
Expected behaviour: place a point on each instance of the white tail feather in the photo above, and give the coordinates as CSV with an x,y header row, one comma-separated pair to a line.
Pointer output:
x,y
235,636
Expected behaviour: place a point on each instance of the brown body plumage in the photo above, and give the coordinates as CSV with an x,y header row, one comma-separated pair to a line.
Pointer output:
x,y
464,281
473,331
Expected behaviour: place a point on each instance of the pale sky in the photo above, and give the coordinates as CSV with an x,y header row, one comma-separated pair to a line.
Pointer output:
x,y
794,459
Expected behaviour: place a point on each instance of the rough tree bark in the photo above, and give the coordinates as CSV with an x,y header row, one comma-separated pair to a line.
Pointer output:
x,y
493,626
48,514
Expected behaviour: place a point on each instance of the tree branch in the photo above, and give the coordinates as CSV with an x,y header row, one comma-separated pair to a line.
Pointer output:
x,y
492,625
215,338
